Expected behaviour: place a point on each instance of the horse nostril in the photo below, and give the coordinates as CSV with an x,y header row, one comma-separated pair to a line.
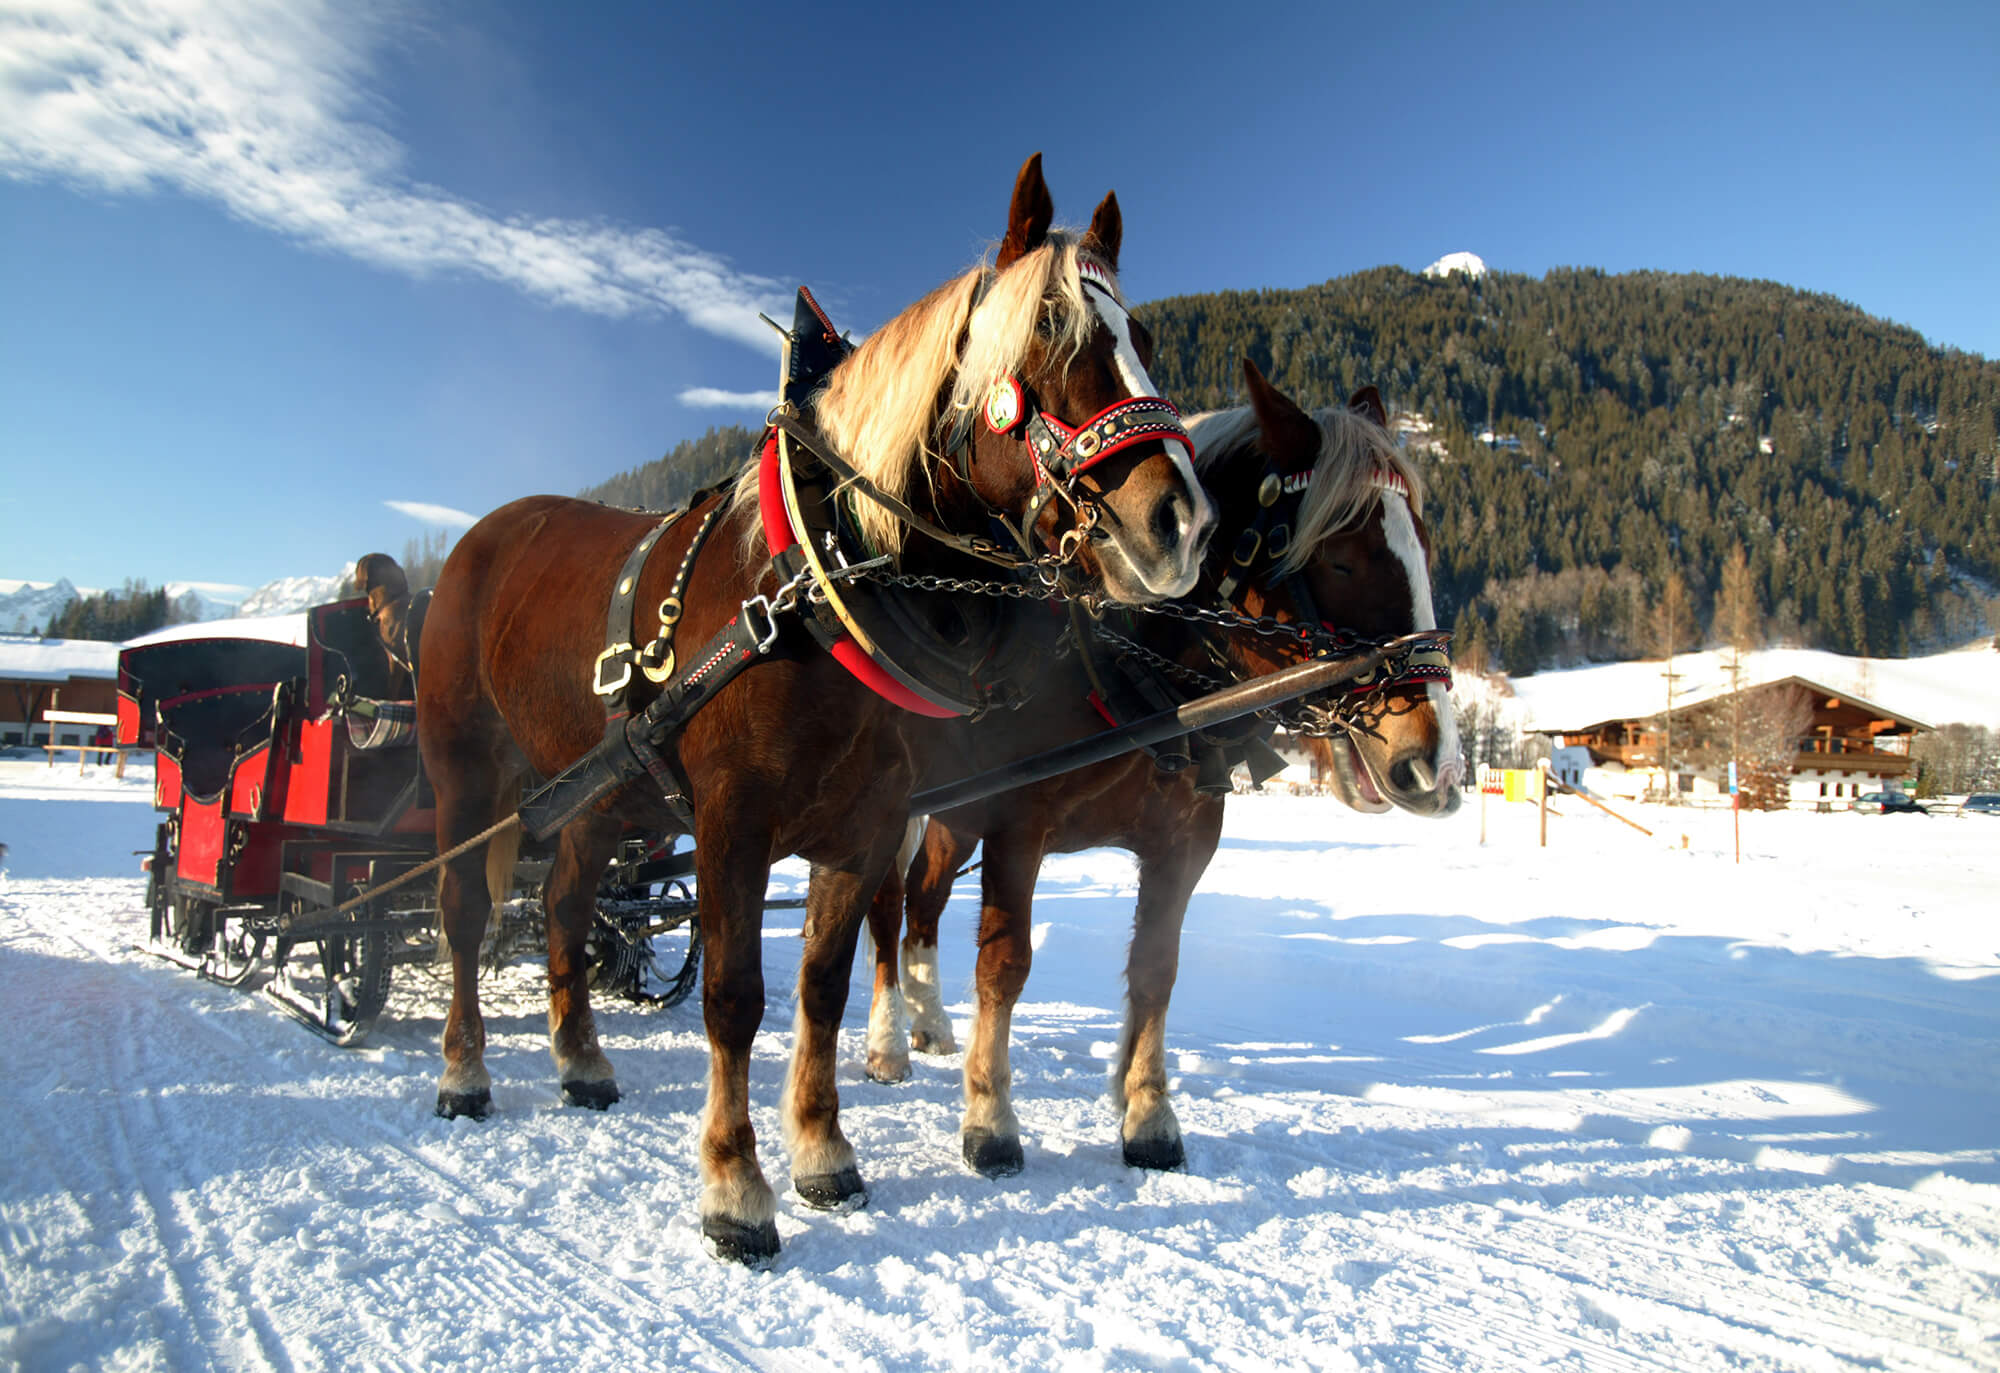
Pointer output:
x,y
1169,519
1413,775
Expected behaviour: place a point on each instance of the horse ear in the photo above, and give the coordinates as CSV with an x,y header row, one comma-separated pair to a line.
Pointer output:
x,y
1107,231
1367,403
1291,437
1029,217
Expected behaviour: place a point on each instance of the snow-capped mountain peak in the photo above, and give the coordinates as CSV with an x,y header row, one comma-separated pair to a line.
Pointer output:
x,y
29,607
1470,263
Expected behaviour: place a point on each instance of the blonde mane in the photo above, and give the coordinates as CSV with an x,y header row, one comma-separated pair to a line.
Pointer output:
x,y
912,383
1355,455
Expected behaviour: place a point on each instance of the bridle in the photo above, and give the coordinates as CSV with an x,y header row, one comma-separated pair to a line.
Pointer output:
x,y
1059,453
1257,559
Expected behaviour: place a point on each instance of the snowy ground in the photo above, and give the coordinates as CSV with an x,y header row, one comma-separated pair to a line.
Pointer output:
x,y
1613,1105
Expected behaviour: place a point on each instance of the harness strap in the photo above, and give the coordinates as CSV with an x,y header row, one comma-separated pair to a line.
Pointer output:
x,y
810,439
618,627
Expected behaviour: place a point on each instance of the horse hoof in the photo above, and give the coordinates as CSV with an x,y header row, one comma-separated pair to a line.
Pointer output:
x,y
841,1191
924,1042
596,1095
991,1155
731,1241
476,1104
1160,1155
882,1068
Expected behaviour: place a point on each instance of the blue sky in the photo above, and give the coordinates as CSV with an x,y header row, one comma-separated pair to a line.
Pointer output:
x,y
267,265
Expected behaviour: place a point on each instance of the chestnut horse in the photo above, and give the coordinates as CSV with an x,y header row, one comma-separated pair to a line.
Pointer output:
x,y
796,755
1319,522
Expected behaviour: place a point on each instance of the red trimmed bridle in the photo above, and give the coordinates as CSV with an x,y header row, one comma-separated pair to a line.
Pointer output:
x,y
1060,452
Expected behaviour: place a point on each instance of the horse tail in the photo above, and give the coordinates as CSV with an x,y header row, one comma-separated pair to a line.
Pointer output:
x,y
501,851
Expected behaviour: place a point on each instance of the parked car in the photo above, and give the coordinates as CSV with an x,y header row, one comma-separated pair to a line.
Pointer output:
x,y
1888,803
1981,803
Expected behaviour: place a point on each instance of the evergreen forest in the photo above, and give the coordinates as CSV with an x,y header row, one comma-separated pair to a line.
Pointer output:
x,y
1591,438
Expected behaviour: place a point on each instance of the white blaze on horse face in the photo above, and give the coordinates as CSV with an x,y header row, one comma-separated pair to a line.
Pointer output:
x,y
1399,526
1133,373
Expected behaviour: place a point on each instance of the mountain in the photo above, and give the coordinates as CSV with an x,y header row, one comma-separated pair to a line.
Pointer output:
x,y
28,608
195,602
1588,436
289,595
1469,263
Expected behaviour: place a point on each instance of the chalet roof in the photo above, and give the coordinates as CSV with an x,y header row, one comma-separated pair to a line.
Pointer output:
x,y
1617,708
27,659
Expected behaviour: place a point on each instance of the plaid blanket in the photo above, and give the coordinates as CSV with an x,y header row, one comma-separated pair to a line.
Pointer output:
x,y
381,724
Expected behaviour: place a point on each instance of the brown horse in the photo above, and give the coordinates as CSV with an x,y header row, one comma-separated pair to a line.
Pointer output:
x,y
796,755
1319,523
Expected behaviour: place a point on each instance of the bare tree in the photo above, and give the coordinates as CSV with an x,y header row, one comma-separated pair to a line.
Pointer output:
x,y
1670,614
1737,619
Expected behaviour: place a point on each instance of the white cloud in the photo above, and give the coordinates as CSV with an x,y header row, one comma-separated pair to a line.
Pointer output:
x,y
708,397
264,107
433,514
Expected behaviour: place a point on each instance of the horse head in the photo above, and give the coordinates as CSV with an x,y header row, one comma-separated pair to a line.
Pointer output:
x,y
1020,390
1333,539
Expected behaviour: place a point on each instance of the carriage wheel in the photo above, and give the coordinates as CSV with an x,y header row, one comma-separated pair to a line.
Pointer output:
x,y
234,955
355,972
156,885
184,924
638,968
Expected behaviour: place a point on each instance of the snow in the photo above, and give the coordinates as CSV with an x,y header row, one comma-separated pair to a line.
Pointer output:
x,y
27,607
278,629
290,594
57,660
1620,1103
1962,686
1469,263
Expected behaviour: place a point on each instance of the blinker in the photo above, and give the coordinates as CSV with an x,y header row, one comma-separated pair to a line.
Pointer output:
x,y
1004,405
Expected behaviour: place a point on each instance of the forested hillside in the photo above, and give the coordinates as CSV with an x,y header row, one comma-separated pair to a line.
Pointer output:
x,y
1590,435
667,482
1644,424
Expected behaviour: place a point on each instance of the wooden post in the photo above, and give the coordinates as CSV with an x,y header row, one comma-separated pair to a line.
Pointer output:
x,y
55,699
1542,798
1482,810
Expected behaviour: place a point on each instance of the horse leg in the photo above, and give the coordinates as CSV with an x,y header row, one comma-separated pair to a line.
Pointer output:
x,y
1150,1133
732,865
990,1134
888,1042
464,903
929,886
823,1168
570,903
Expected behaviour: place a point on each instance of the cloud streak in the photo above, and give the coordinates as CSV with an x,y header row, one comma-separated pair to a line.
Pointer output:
x,y
262,106
709,398
434,514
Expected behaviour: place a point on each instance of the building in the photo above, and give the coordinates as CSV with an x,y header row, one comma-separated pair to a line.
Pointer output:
x,y
39,674
1804,743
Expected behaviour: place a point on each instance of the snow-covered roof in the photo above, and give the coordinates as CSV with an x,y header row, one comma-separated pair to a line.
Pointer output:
x,y
25,659
1963,685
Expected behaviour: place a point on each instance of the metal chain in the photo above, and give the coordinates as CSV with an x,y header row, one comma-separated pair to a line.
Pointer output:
x,y
1300,717
1321,640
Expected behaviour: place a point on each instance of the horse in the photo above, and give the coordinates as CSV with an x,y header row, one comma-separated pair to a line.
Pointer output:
x,y
798,754
1319,516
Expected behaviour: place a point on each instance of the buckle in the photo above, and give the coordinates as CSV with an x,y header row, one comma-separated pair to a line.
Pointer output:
x,y
769,634
621,654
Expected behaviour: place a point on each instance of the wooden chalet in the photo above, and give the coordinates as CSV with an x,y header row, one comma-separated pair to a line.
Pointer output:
x,y
37,675
1849,746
